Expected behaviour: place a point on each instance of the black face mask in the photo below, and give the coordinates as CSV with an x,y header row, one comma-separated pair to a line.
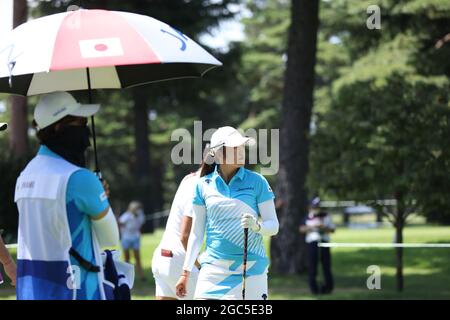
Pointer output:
x,y
71,143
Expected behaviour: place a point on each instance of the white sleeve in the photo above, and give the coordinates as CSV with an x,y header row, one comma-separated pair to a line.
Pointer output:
x,y
269,224
107,230
123,218
188,189
195,237
188,209
141,218
181,199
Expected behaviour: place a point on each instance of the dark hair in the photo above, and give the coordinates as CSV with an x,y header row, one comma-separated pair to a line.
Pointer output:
x,y
48,132
206,169
208,164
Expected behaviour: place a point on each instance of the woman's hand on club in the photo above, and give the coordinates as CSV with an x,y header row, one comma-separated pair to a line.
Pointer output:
x,y
250,221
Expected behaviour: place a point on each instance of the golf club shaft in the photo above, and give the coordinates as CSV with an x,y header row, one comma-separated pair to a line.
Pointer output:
x,y
244,273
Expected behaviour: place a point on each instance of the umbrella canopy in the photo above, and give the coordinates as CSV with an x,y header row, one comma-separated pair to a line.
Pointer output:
x,y
96,49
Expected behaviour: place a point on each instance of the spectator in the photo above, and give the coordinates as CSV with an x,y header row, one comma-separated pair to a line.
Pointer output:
x,y
131,222
317,227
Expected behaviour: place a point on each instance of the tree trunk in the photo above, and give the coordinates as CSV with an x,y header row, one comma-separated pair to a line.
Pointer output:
x,y
379,214
18,133
157,185
399,224
142,152
399,258
288,247
158,169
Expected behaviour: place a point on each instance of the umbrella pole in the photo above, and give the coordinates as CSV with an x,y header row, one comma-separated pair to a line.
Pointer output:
x,y
97,169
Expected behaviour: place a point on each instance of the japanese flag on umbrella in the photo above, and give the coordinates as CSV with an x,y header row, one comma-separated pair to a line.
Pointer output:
x,y
119,49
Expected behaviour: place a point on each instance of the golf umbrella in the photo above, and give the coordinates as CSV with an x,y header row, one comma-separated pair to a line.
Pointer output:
x,y
96,49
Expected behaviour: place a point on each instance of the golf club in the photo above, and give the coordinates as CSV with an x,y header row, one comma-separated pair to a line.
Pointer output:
x,y
245,262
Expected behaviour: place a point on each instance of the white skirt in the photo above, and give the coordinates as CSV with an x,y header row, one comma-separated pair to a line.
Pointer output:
x,y
167,271
216,281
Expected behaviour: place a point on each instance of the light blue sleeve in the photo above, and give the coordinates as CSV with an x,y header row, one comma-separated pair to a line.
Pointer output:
x,y
198,196
264,191
86,190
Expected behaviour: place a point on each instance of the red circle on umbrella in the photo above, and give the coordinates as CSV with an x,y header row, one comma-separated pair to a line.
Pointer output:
x,y
101,47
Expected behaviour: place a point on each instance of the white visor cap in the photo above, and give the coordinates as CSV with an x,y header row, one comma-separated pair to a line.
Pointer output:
x,y
229,137
52,107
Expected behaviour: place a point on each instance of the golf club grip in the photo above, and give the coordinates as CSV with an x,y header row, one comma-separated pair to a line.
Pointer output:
x,y
244,273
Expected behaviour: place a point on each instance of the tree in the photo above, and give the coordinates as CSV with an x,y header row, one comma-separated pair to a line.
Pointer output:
x,y
264,52
288,249
386,129
387,147
142,149
18,132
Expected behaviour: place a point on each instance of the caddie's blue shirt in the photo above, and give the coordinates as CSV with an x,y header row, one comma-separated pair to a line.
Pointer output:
x,y
85,199
225,204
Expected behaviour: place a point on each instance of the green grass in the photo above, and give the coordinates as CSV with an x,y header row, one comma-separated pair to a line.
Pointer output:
x,y
426,272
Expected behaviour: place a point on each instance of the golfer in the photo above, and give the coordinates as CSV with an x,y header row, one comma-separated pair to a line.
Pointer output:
x,y
64,214
229,198
168,257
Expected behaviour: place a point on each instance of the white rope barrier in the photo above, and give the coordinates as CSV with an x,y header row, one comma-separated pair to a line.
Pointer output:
x,y
355,245
158,215
383,245
351,203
